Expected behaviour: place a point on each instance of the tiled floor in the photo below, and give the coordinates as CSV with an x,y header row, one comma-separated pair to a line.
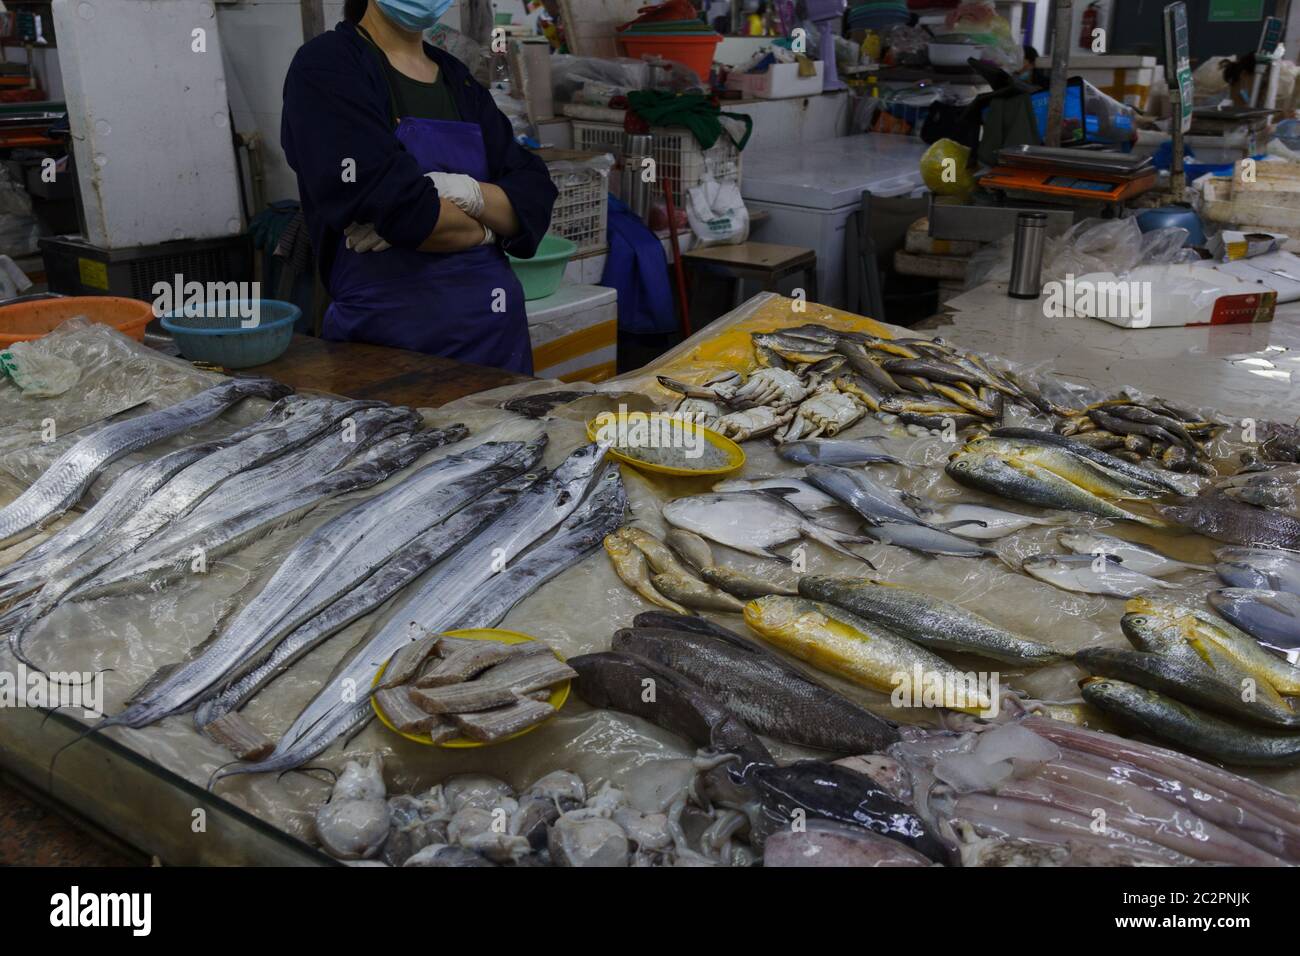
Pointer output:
x,y
34,835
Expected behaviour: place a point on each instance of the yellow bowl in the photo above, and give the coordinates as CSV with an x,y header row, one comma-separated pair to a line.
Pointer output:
x,y
558,695
733,452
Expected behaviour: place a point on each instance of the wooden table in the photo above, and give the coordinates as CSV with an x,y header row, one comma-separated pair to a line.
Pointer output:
x,y
377,372
763,261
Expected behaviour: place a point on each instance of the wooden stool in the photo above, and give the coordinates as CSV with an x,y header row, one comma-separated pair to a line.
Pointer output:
x,y
763,261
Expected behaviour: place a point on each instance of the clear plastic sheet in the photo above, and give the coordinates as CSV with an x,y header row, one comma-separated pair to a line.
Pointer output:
x,y
1092,245
131,636
569,74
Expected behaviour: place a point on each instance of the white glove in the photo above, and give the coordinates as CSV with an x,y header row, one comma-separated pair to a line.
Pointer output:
x,y
361,237
489,236
463,190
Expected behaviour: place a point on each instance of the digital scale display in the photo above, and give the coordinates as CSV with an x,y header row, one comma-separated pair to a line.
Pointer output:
x,y
1069,182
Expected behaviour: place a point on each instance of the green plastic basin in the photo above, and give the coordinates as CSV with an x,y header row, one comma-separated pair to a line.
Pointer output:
x,y
541,275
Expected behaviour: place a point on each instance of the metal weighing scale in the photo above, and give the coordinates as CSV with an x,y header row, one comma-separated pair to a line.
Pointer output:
x,y
1071,176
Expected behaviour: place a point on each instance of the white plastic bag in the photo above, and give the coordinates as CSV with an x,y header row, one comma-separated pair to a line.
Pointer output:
x,y
18,227
38,373
717,214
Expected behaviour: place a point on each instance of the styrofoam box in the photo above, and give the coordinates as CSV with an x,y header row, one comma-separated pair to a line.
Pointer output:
x,y
781,81
575,333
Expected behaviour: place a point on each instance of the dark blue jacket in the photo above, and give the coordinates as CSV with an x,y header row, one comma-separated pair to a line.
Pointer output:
x,y
337,107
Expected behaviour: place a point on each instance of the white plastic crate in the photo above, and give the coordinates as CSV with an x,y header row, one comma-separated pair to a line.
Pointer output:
x,y
581,209
676,153
598,137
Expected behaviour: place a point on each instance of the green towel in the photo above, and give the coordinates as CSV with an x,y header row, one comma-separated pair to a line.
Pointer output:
x,y
695,111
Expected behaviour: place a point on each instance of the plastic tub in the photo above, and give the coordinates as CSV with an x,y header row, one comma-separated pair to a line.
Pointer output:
x,y
205,333
31,320
541,275
694,51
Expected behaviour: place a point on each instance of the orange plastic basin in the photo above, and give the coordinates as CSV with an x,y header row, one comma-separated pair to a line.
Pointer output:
x,y
693,51
31,320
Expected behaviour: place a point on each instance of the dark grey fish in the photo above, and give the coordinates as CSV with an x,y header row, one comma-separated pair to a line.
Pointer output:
x,y
1271,617
1167,423
538,406
618,681
836,451
774,698
1182,679
1260,568
1219,517
811,789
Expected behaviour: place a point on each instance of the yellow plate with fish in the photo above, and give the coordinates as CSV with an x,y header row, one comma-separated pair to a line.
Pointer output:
x,y
559,694
721,455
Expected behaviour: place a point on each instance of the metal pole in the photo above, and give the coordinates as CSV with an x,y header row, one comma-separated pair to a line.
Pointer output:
x,y
1177,179
1060,71
313,18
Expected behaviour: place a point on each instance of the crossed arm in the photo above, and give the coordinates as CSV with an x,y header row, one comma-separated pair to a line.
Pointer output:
x,y
470,214
457,230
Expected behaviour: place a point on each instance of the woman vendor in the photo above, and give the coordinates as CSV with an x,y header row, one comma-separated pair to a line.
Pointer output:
x,y
414,189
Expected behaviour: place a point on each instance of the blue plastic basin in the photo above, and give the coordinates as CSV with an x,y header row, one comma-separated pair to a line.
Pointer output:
x,y
215,332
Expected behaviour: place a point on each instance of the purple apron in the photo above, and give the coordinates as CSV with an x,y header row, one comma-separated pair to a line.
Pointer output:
x,y
461,305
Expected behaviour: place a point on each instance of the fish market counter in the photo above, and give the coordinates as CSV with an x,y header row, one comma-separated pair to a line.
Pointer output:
x,y
112,786
313,573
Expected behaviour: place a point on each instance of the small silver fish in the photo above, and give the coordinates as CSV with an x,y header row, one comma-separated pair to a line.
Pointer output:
x,y
1090,575
982,523
1135,557
1271,617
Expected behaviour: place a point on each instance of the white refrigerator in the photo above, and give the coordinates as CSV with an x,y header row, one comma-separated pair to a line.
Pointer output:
x,y
810,190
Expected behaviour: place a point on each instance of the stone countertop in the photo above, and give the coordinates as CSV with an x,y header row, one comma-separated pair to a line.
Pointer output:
x,y
1238,370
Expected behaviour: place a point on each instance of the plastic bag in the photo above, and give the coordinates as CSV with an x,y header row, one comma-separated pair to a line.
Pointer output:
x,y
18,226
569,74
717,214
1114,119
13,281
1093,245
37,373
979,21
945,169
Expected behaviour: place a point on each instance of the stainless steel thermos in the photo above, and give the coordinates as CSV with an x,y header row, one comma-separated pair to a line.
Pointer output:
x,y
636,192
1027,256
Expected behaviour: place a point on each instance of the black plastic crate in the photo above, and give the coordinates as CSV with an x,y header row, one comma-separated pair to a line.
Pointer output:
x,y
75,267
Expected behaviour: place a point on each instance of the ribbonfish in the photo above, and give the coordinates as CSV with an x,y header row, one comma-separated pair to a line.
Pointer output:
x,y
62,484
335,711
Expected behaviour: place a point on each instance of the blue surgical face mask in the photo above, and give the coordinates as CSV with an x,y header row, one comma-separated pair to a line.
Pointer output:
x,y
414,15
